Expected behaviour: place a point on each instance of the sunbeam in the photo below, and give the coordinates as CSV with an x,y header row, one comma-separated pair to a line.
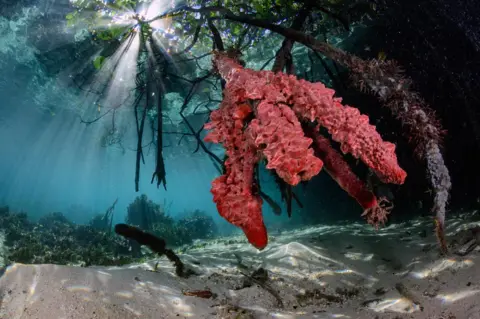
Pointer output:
x,y
123,66
155,8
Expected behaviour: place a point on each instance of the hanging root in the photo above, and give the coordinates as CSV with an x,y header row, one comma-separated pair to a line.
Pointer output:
x,y
441,184
440,232
385,79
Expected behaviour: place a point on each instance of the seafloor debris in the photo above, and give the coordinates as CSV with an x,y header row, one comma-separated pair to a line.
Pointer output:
x,y
156,244
309,296
405,292
199,293
225,310
259,277
465,241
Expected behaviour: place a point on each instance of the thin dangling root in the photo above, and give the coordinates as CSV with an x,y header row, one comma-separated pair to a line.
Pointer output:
x,y
440,232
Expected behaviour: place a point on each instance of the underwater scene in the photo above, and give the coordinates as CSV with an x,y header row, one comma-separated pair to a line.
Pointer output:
x,y
239,159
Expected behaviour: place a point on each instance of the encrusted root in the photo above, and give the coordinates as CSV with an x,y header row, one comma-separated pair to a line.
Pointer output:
x,y
377,215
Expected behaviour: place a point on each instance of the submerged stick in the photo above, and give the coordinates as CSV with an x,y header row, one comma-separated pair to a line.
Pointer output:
x,y
155,243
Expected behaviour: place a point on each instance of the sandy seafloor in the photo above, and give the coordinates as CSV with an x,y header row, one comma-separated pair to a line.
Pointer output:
x,y
349,271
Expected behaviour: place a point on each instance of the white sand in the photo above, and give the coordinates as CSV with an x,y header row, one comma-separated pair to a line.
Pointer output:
x,y
321,272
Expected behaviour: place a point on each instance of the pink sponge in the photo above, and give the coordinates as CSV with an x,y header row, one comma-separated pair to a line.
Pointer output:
x,y
275,102
234,192
277,133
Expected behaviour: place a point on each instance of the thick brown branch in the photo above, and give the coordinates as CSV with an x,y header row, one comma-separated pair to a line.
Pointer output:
x,y
284,54
195,38
140,128
341,19
217,39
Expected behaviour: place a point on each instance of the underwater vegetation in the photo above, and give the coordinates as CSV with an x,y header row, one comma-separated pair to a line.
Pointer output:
x,y
153,218
240,158
274,118
290,119
326,133
54,239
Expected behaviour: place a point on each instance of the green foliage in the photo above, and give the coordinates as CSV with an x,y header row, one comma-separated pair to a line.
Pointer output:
x,y
190,31
98,62
72,18
185,23
121,4
111,33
